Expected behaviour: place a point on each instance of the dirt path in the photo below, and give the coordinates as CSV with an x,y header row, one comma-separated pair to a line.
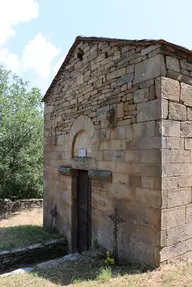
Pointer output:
x,y
26,217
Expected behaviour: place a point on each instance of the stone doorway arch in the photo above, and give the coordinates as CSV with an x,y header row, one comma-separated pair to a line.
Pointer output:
x,y
82,136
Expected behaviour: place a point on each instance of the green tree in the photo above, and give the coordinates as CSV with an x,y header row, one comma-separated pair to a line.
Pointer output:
x,y
21,138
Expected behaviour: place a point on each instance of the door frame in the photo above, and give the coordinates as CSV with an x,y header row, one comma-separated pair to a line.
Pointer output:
x,y
74,214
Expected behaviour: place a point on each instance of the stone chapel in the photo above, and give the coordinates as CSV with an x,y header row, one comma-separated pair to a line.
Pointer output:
x,y
118,136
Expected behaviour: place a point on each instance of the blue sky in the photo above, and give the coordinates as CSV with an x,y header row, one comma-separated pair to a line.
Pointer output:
x,y
35,35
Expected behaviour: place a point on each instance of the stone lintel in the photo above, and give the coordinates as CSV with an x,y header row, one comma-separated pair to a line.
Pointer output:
x,y
100,175
65,170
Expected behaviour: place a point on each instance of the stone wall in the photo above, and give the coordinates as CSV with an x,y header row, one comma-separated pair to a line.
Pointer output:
x,y
9,206
19,257
128,79
176,132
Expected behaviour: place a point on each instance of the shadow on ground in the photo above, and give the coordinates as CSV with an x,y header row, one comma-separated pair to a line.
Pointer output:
x,y
83,270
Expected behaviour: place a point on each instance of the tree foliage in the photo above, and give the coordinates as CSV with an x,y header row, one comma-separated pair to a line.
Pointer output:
x,y
21,138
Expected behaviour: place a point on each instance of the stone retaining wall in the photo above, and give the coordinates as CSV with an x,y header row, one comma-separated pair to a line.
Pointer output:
x,y
31,254
8,206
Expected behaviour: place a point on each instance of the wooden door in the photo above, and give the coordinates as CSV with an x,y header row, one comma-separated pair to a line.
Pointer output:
x,y
83,211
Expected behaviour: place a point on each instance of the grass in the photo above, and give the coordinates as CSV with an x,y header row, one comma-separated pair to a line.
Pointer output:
x,y
21,236
85,275
104,274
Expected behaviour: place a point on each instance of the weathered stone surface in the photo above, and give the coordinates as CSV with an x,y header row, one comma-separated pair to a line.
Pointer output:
x,y
146,129
186,92
150,156
169,128
150,182
152,110
33,253
178,197
124,80
141,95
150,68
172,217
120,110
167,88
151,197
116,74
188,143
169,182
173,251
179,233
189,114
177,112
185,181
65,170
186,129
186,65
148,49
189,214
172,64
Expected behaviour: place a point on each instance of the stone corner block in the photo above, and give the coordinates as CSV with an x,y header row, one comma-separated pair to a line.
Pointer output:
x,y
150,68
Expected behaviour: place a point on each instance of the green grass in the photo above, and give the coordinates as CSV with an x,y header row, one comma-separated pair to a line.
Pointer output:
x,y
21,236
104,274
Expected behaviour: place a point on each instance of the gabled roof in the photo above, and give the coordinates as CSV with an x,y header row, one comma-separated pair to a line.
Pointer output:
x,y
80,39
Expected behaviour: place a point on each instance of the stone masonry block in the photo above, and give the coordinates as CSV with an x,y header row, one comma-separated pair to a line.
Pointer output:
x,y
150,68
151,182
186,92
152,110
116,74
144,143
171,169
172,64
186,65
177,112
186,129
189,114
120,178
169,182
141,95
150,156
189,245
184,156
132,155
172,217
185,181
149,196
168,155
48,109
179,234
167,88
120,110
146,129
178,197
169,128
172,143
189,213
173,251
188,143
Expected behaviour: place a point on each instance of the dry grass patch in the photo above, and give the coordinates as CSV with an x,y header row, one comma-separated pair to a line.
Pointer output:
x,y
26,217
85,275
